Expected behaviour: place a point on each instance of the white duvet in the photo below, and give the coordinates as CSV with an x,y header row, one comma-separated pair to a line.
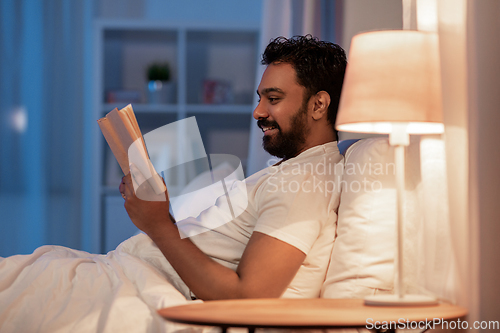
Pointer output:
x,y
57,289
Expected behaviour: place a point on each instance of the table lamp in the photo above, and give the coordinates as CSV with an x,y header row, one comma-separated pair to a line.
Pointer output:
x,y
392,85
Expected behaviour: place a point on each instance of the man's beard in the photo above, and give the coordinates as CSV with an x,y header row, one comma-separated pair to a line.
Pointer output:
x,y
287,144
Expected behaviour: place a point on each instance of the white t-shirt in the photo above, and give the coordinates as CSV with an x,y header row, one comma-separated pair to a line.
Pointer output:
x,y
295,202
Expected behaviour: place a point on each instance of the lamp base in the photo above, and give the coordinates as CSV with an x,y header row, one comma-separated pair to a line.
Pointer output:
x,y
396,300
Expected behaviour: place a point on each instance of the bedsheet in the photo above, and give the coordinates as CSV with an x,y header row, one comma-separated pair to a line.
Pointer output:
x,y
57,289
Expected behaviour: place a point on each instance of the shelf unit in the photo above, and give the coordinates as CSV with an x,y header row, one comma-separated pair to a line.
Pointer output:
x,y
198,54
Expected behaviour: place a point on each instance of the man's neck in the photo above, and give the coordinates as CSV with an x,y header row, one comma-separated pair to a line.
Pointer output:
x,y
318,143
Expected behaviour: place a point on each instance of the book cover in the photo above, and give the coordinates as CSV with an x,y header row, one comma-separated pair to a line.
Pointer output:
x,y
124,137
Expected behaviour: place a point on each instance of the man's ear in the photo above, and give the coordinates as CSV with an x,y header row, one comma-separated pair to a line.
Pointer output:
x,y
320,101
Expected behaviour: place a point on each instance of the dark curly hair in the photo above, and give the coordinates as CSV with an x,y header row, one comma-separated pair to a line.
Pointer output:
x,y
319,66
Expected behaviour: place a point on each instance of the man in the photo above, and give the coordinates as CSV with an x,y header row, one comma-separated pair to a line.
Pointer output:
x,y
281,244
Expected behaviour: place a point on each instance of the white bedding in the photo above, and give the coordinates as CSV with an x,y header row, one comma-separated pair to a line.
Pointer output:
x,y
57,289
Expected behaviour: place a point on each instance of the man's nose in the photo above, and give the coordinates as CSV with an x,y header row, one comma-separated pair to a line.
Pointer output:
x,y
260,112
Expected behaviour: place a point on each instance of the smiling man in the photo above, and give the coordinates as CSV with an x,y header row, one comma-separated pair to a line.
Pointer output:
x,y
280,245
302,75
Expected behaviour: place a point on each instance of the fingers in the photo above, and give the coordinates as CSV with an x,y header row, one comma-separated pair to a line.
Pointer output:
x,y
121,188
134,185
126,181
126,187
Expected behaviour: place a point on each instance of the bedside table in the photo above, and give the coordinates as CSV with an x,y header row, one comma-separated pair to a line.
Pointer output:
x,y
316,313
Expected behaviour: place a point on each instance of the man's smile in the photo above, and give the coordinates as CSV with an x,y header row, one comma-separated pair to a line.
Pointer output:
x,y
268,127
269,130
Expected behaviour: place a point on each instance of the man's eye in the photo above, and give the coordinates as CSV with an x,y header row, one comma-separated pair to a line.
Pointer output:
x,y
272,99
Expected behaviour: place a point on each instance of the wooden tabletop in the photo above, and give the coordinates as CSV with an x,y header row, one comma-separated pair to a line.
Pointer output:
x,y
302,313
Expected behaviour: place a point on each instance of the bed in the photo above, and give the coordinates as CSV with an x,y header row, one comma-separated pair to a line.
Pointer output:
x,y
57,289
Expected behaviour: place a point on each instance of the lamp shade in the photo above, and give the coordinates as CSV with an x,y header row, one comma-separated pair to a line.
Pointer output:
x,y
392,77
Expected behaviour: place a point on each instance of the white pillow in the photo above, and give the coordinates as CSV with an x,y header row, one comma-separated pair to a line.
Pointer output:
x,y
362,261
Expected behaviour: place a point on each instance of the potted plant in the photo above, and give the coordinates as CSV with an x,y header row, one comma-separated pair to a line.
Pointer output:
x,y
159,86
159,72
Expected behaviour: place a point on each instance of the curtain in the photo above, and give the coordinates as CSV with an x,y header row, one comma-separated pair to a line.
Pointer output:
x,y
42,96
441,254
452,34
22,181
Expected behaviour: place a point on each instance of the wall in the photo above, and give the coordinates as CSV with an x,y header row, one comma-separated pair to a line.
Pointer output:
x,y
367,15
484,120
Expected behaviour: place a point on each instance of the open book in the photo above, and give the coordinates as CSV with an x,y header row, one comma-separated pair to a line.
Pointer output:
x,y
121,131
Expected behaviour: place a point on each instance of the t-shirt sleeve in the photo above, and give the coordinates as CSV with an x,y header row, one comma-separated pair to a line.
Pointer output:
x,y
291,210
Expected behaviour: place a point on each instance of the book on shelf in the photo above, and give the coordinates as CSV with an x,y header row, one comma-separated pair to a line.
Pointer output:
x,y
124,137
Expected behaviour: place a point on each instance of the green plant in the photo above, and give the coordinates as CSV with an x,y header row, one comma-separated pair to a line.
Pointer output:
x,y
159,71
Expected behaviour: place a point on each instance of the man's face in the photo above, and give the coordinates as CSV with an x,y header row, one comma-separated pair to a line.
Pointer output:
x,y
282,111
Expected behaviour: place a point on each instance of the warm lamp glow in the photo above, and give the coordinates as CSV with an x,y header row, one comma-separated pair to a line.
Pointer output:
x,y
387,127
392,77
